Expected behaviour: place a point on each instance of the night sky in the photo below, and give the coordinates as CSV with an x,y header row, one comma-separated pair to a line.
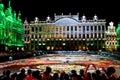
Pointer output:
x,y
42,8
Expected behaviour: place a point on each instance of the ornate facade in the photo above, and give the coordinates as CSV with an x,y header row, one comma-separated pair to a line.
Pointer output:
x,y
111,38
11,29
66,32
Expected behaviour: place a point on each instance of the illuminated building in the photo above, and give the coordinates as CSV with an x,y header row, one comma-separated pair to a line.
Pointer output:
x,y
11,29
118,37
66,32
111,38
26,35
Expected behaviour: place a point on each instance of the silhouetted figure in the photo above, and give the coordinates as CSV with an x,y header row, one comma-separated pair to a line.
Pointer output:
x,y
21,75
14,76
46,74
111,74
29,75
2,76
81,74
74,75
7,75
55,76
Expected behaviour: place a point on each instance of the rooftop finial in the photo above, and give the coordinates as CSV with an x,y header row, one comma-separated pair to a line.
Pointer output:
x,y
25,22
83,18
62,14
70,14
54,14
111,23
78,13
36,19
9,3
95,17
0,1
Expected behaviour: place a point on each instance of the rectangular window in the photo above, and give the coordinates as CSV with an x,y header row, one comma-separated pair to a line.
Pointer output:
x,y
71,36
40,29
103,28
79,35
91,35
83,28
32,36
99,35
28,39
56,29
67,28
32,29
95,28
75,28
83,35
67,35
60,29
87,28
25,32
28,32
75,35
91,28
99,28
87,35
71,28
79,28
95,35
103,35
63,28
39,35
35,36
36,29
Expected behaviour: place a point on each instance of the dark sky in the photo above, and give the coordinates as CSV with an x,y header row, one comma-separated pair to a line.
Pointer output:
x,y
42,8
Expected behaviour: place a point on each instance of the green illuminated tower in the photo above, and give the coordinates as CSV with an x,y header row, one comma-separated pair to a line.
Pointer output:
x,y
118,36
11,29
2,26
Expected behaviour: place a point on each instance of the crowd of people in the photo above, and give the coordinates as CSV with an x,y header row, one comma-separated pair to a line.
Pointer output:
x,y
4,56
106,74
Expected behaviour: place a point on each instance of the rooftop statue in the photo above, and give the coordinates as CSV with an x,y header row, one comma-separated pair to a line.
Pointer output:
x,y
14,15
2,14
8,11
19,18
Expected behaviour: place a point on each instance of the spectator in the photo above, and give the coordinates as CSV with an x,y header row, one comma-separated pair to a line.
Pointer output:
x,y
2,77
46,74
81,74
111,74
7,75
14,76
74,75
29,75
34,75
66,77
62,74
21,75
55,76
